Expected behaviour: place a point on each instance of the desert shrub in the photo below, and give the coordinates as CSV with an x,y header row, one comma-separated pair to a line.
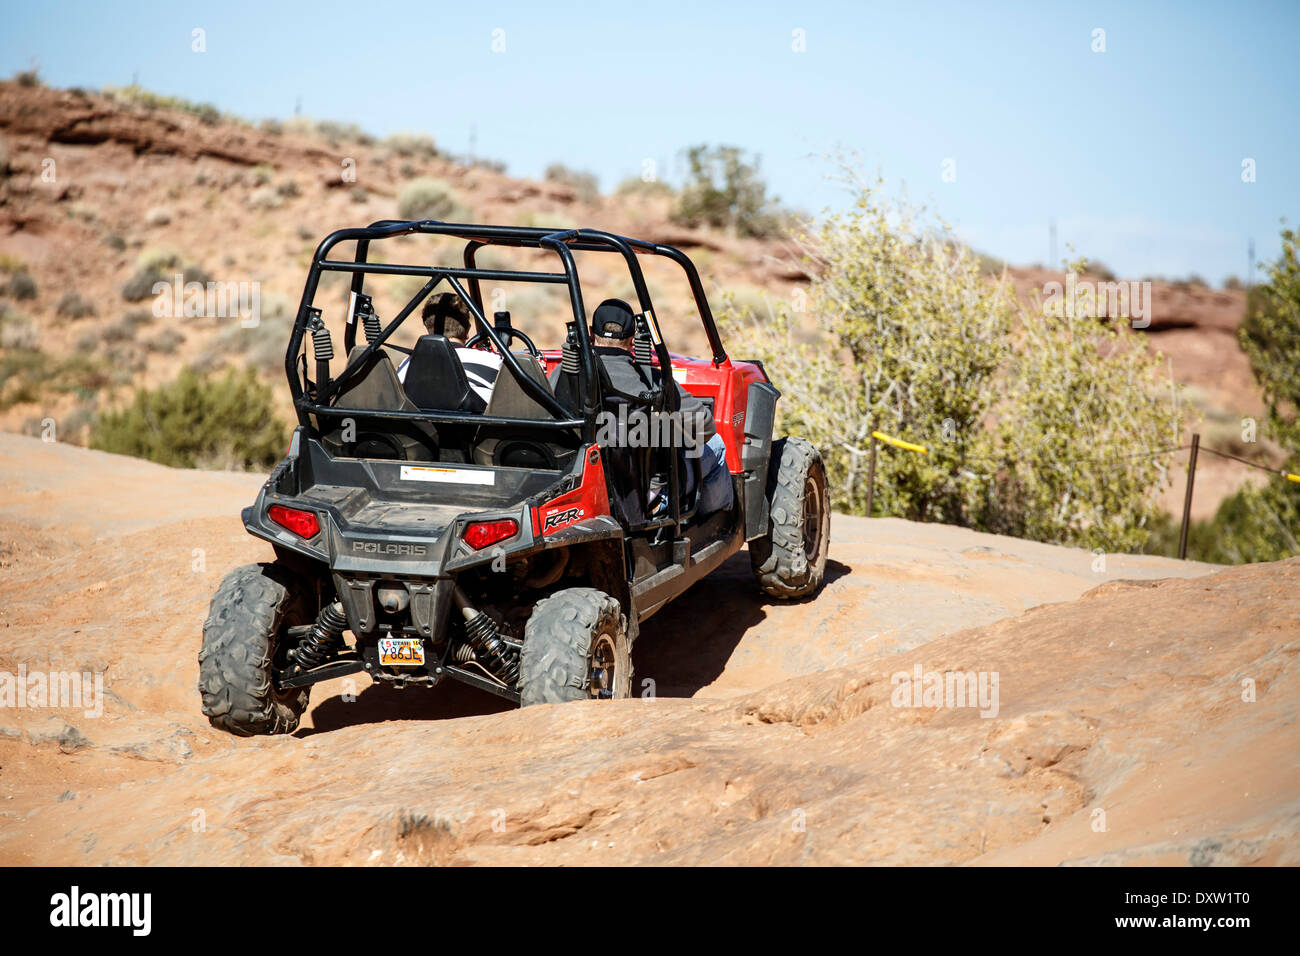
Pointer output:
x,y
21,286
165,342
17,331
724,190
636,186
544,219
158,260
585,185
126,358
28,78
118,332
430,199
358,194
260,347
1263,523
198,421
139,287
914,341
136,95
1232,283
412,144
115,242
989,265
265,197
337,132
28,375
73,306
159,264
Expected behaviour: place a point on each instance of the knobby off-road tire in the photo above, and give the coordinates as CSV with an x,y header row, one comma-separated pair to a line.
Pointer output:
x,y
570,641
790,560
249,613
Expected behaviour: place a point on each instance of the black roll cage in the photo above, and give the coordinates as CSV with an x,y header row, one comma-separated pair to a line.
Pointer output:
x,y
563,243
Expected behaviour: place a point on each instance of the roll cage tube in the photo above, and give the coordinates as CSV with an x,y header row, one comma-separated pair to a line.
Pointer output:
x,y
561,242
593,240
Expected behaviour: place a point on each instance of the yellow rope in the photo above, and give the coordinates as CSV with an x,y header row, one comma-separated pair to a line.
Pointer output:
x,y
905,445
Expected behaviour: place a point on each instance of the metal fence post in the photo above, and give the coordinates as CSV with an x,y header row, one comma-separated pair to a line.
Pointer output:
x,y
1187,499
871,476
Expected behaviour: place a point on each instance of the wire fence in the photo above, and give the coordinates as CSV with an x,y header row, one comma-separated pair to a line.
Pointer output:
x,y
1194,447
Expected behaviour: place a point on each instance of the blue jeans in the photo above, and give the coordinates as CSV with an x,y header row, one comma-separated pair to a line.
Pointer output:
x,y
718,493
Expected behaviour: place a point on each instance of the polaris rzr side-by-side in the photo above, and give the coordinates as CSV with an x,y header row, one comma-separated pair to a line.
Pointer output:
x,y
422,533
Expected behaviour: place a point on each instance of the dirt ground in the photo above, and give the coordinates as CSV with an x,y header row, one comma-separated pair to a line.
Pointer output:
x,y
1145,709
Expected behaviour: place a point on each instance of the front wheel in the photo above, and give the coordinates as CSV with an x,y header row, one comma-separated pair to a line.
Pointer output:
x,y
790,560
243,644
577,646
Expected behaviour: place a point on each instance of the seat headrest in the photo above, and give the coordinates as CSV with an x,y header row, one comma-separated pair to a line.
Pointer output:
x,y
435,378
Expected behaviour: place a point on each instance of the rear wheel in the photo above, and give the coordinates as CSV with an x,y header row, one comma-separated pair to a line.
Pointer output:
x,y
790,560
577,646
243,645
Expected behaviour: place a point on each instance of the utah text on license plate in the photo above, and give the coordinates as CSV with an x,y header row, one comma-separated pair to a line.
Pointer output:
x,y
401,652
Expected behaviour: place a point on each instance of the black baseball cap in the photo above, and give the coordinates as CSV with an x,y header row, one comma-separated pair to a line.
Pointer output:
x,y
614,319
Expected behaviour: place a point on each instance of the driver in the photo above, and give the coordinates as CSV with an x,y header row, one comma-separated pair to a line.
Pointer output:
x,y
447,315
613,326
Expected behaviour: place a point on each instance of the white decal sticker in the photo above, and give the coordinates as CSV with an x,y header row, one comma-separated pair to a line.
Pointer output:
x,y
454,476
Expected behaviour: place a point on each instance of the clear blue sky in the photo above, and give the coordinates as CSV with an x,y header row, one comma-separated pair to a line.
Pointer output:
x,y
1136,152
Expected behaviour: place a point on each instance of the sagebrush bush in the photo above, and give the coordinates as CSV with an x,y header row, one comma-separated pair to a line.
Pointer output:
x,y
585,185
21,286
725,191
636,186
159,264
166,342
73,306
412,144
430,199
17,331
913,340
198,421
136,95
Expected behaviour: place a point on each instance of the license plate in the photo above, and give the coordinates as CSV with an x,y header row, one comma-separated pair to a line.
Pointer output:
x,y
401,652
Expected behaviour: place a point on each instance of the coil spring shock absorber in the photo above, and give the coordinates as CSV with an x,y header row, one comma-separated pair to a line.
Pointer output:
x,y
483,638
642,346
370,322
323,640
322,347
569,352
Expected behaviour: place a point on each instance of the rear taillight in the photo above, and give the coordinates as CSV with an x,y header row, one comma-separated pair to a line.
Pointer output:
x,y
480,534
301,523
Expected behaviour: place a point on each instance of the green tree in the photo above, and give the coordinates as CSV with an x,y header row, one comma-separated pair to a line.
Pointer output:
x,y
1263,523
1013,405
725,191
198,422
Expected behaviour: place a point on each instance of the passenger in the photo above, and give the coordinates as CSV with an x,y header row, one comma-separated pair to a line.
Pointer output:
x,y
613,327
448,316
